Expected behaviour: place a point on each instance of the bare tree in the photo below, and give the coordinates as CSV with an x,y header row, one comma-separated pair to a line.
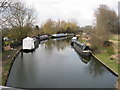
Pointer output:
x,y
3,5
16,18
16,15
104,25
104,21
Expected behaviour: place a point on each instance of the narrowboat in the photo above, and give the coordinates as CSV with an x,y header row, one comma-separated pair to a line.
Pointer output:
x,y
43,37
59,35
83,49
29,43
73,40
85,59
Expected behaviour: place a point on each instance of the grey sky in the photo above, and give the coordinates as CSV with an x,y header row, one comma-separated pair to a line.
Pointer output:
x,y
81,11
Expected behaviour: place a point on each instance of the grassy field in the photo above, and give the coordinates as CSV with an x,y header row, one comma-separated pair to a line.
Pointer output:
x,y
82,40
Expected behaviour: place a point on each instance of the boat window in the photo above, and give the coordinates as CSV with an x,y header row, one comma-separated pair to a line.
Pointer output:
x,y
87,48
83,47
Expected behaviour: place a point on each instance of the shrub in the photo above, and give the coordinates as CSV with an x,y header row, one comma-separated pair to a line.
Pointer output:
x,y
16,44
110,50
107,43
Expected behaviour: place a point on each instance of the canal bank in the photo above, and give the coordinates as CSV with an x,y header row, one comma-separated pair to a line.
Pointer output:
x,y
115,73
81,45
110,62
117,84
7,63
8,60
107,55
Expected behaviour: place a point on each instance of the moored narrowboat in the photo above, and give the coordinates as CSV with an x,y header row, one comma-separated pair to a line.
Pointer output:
x,y
29,43
82,48
73,40
59,35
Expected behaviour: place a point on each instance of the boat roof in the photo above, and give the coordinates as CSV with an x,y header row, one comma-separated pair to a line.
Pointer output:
x,y
74,38
80,43
28,38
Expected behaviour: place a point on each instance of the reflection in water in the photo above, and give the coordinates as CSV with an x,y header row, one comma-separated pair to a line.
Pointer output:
x,y
59,43
55,64
84,59
95,68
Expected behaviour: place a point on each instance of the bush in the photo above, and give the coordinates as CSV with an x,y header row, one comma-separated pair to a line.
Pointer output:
x,y
16,44
95,49
6,43
107,43
110,50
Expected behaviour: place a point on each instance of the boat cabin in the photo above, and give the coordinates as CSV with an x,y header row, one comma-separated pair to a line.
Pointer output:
x,y
73,40
28,43
82,48
58,35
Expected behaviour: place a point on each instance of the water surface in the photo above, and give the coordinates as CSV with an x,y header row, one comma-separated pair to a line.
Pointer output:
x,y
55,64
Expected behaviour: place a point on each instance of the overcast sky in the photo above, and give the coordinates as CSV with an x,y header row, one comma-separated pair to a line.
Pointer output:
x,y
81,11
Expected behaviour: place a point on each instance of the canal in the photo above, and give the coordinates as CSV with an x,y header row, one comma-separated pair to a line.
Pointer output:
x,y
55,64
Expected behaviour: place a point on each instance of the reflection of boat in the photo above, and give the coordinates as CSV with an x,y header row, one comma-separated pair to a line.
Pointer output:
x,y
43,41
28,51
59,35
61,38
85,59
82,48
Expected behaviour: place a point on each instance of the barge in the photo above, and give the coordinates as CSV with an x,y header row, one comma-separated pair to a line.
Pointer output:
x,y
59,35
43,37
81,48
29,44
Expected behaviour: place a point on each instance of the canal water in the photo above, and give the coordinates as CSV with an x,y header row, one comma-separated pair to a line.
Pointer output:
x,y
55,64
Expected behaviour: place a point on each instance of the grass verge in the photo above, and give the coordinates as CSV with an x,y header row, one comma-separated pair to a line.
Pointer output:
x,y
7,63
5,72
105,58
